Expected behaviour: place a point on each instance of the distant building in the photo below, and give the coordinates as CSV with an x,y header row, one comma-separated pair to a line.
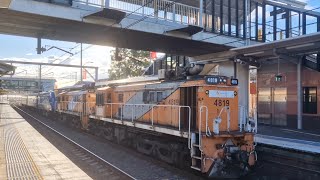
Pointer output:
x,y
26,84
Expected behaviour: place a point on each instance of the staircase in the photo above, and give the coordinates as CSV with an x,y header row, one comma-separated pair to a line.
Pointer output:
x,y
196,152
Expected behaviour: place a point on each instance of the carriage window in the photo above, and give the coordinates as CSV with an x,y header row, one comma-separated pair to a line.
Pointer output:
x,y
100,99
109,98
152,97
120,97
310,100
145,96
159,96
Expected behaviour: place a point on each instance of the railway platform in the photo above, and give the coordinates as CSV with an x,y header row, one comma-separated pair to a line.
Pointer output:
x,y
299,140
26,154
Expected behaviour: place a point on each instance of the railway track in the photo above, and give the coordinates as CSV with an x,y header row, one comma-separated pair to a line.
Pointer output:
x,y
274,163
102,168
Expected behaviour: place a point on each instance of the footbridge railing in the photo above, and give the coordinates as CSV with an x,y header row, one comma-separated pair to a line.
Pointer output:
x,y
161,9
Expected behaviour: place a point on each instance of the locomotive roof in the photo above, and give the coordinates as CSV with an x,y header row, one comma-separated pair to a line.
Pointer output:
x,y
128,81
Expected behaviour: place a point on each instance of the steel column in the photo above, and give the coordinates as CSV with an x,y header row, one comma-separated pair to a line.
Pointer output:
x,y
39,86
275,23
229,17
318,24
237,18
304,23
318,61
107,3
287,23
96,74
221,16
299,95
201,13
245,13
81,62
213,15
264,22
256,22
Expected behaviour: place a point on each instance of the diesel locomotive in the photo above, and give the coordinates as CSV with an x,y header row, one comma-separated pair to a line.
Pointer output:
x,y
175,115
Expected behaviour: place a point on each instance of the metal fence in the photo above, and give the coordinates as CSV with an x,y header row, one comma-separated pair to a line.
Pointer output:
x,y
161,9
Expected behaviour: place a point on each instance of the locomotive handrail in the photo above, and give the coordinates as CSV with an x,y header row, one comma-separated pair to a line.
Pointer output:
x,y
200,124
122,105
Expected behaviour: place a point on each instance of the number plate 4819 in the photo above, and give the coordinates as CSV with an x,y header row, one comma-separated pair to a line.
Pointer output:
x,y
219,102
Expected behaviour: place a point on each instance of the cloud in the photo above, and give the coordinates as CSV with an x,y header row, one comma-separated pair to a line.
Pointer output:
x,y
99,55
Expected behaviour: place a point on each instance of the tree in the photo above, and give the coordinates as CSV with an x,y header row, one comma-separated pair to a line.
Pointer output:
x,y
127,63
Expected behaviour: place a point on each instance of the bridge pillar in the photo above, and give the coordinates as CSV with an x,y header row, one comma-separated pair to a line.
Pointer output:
x,y
201,13
107,3
299,94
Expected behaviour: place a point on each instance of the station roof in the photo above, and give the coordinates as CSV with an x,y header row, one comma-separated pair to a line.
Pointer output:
x,y
6,69
290,49
295,46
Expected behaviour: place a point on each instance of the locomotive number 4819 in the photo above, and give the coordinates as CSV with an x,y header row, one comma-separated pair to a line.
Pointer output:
x,y
219,102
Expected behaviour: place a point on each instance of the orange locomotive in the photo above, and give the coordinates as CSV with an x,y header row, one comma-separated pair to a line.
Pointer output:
x,y
191,122
179,117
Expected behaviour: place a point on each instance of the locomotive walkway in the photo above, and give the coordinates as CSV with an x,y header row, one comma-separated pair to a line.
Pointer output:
x,y
26,154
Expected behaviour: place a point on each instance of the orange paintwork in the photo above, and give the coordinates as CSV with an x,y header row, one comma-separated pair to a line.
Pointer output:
x,y
214,109
169,116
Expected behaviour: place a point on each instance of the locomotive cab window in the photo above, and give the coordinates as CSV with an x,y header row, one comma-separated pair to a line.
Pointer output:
x,y
152,99
159,96
145,96
310,100
109,98
120,97
99,99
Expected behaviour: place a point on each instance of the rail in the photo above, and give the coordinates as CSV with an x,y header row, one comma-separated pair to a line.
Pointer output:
x,y
160,9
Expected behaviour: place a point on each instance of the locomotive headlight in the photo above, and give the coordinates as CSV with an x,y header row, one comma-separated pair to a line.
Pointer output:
x,y
234,82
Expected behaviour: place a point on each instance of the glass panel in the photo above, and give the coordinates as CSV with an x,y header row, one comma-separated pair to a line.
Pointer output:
x,y
311,25
240,20
281,25
269,23
295,29
252,25
259,23
233,17
217,19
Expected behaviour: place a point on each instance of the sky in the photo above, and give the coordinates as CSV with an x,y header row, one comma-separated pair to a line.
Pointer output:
x,y
24,49
19,48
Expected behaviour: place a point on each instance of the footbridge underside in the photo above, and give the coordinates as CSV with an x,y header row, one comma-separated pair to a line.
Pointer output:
x,y
102,26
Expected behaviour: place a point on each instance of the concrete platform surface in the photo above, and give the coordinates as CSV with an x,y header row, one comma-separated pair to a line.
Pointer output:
x,y
300,140
26,154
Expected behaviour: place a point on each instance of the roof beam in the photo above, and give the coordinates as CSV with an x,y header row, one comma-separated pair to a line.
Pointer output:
x,y
312,13
47,64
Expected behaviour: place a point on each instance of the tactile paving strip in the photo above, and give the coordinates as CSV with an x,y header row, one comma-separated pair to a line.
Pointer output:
x,y
18,160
